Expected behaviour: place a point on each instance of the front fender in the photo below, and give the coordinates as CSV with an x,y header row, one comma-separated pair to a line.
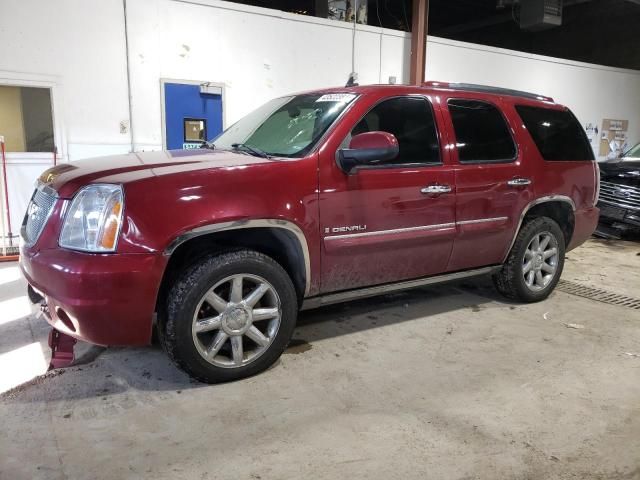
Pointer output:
x,y
244,224
165,211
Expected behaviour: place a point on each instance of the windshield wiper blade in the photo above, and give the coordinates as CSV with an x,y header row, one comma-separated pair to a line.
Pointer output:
x,y
256,152
209,145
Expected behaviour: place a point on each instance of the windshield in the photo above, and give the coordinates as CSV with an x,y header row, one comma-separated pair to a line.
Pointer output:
x,y
285,127
634,153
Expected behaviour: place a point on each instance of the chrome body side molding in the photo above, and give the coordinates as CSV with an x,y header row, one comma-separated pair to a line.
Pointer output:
x,y
537,201
365,292
242,224
391,232
482,220
421,228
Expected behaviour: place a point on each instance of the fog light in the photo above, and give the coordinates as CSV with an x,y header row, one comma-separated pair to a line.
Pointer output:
x,y
64,318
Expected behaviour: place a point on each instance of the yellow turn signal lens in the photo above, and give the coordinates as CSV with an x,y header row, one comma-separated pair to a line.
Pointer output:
x,y
111,227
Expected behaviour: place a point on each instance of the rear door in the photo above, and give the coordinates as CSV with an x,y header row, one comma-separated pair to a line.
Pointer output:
x,y
493,182
380,225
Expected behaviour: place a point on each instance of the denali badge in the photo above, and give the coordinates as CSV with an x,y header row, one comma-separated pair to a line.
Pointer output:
x,y
352,228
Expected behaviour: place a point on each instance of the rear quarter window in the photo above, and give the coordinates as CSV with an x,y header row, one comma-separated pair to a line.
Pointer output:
x,y
557,133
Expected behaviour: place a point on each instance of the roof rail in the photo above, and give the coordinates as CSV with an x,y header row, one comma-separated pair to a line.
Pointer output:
x,y
469,87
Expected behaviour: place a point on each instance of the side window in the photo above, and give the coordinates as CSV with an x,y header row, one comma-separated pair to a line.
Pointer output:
x,y
556,133
482,134
412,122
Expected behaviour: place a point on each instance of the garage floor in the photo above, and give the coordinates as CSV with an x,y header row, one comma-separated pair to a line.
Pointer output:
x,y
450,382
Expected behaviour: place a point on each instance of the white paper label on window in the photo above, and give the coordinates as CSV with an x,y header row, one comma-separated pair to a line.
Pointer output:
x,y
336,97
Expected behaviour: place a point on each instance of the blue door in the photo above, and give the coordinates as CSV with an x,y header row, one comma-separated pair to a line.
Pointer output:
x,y
192,115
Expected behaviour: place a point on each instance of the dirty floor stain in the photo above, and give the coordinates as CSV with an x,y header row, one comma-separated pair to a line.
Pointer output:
x,y
297,346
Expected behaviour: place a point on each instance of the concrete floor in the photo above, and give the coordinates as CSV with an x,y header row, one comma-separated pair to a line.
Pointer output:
x,y
450,382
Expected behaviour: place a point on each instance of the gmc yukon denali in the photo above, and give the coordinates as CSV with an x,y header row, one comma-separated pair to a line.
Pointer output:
x,y
312,199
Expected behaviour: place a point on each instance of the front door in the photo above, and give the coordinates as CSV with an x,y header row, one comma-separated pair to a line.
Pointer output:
x,y
493,183
193,114
382,224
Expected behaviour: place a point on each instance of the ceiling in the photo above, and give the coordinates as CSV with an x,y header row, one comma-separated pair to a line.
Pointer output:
x,y
595,31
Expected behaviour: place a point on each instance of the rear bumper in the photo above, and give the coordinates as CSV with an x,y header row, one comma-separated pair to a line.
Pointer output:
x,y
100,299
586,221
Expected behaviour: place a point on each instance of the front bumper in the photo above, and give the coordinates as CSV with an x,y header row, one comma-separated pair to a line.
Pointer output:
x,y
104,299
613,213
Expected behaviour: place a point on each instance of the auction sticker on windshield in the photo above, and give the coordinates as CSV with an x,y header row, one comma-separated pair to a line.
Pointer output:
x,y
336,97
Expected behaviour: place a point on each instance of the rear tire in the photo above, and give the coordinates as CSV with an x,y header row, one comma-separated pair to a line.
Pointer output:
x,y
534,265
230,316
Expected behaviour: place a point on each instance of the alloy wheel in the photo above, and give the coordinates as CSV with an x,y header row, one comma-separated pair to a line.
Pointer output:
x,y
540,261
236,320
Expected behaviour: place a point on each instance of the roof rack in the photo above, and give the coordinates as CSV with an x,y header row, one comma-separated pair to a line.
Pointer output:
x,y
469,87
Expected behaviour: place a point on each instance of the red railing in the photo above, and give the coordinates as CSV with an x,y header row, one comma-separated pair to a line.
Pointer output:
x,y
7,251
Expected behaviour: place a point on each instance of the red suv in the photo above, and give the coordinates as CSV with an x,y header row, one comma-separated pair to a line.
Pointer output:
x,y
312,199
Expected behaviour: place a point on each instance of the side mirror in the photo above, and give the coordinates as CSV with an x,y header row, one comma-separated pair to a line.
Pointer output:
x,y
369,148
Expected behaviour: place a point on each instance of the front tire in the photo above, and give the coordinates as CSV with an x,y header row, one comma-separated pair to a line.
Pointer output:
x,y
535,263
230,316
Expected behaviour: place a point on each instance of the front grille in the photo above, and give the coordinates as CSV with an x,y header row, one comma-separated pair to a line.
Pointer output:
x,y
38,211
624,196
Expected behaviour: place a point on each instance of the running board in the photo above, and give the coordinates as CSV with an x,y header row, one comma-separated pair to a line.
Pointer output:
x,y
340,297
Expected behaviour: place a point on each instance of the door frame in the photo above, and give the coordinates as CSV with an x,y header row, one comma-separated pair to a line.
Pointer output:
x,y
221,86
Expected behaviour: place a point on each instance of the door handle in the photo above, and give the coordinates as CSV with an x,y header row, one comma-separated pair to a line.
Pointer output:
x,y
436,189
519,182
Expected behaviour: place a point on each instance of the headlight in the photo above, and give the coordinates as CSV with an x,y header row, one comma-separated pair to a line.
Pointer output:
x,y
93,221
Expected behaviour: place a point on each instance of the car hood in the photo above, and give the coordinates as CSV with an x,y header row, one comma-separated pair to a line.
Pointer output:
x,y
67,178
625,172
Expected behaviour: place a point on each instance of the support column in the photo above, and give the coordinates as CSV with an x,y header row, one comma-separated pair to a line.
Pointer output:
x,y
419,31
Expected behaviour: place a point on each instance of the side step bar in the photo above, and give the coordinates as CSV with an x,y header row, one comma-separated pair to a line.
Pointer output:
x,y
340,297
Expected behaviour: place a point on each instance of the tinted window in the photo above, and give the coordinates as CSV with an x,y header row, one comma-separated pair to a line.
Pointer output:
x,y
557,133
482,134
411,120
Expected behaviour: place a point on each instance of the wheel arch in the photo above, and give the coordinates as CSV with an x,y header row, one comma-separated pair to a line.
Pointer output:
x,y
281,240
557,207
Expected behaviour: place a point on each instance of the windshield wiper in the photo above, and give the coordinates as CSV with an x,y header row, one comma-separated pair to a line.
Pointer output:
x,y
256,152
208,145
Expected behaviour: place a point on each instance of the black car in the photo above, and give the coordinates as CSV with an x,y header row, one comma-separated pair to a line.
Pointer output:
x,y
620,193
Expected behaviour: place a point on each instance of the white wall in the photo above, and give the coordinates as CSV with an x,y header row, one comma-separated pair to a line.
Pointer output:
x,y
256,56
78,49
259,54
593,92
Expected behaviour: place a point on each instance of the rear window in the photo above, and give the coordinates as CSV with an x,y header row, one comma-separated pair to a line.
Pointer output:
x,y
557,133
482,135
